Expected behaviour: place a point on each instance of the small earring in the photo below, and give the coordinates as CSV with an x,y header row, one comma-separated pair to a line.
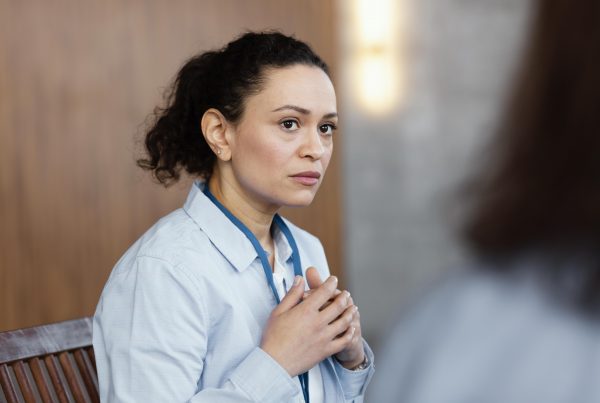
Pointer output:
x,y
218,151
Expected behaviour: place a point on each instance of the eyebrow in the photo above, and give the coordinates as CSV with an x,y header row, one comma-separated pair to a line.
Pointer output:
x,y
303,111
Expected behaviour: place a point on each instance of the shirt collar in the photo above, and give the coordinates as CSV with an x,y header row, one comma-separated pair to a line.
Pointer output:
x,y
284,250
226,237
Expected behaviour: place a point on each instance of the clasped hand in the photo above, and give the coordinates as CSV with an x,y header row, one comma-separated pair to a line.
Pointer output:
x,y
300,335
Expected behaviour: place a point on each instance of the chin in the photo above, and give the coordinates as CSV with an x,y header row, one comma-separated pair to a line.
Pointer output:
x,y
300,200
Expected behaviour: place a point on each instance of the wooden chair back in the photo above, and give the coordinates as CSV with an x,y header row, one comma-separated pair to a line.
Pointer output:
x,y
51,363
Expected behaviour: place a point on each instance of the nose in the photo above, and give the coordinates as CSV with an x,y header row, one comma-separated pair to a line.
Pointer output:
x,y
312,146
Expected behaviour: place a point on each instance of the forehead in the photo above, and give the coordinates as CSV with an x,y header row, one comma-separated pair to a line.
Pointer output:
x,y
305,86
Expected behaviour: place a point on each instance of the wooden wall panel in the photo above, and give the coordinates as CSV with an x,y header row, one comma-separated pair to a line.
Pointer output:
x,y
77,80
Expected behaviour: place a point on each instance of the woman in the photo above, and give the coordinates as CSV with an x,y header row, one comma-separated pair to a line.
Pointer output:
x,y
522,324
190,312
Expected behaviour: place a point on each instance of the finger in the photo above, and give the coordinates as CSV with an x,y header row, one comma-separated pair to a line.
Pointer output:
x,y
293,296
313,278
350,300
340,343
357,338
358,333
352,329
336,307
341,324
356,323
327,303
319,296
308,292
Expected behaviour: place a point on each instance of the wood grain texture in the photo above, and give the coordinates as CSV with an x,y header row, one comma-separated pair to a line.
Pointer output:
x,y
77,80
88,374
36,341
42,380
48,363
8,385
59,382
25,382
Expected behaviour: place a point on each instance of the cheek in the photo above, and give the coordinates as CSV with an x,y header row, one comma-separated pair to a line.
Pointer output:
x,y
327,157
250,145
258,153
274,157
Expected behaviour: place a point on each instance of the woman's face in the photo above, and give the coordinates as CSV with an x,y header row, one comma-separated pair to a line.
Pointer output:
x,y
282,145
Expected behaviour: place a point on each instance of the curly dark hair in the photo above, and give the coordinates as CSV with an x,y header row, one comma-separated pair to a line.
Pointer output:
x,y
542,188
220,79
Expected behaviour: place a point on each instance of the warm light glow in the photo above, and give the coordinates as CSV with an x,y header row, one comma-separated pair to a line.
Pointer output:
x,y
372,42
374,20
377,83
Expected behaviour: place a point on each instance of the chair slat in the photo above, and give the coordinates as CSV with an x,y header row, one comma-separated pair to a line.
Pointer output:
x,y
58,380
52,363
7,388
88,374
42,380
90,351
26,382
73,377
10,385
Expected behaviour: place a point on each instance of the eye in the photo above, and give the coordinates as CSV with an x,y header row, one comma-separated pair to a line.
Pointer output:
x,y
289,124
327,128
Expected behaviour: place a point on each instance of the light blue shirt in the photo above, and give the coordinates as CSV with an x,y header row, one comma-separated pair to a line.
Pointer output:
x,y
181,317
492,337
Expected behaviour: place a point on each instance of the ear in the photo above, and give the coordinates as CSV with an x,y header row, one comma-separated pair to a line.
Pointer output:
x,y
214,129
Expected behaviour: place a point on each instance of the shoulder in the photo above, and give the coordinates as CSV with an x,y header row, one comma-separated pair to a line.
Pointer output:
x,y
173,243
473,308
469,328
440,330
464,299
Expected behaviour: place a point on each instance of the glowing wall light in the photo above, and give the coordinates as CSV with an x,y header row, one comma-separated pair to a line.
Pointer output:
x,y
372,38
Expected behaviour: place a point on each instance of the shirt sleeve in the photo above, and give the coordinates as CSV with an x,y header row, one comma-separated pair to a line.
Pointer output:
x,y
150,340
354,383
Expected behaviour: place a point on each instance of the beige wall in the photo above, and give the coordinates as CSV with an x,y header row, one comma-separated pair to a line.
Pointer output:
x,y
77,80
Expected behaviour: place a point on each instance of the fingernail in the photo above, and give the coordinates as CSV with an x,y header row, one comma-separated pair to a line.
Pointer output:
x,y
297,280
335,279
353,329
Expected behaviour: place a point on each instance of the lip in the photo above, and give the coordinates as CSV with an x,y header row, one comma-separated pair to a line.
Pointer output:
x,y
307,178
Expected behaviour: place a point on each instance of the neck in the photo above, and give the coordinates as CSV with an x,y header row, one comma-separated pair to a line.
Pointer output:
x,y
258,219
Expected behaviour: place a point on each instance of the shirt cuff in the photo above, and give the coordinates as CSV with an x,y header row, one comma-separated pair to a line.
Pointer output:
x,y
354,383
263,379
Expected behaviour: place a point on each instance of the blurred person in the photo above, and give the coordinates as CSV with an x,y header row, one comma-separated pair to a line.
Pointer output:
x,y
523,324
212,304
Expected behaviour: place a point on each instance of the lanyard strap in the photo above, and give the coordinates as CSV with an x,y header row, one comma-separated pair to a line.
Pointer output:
x,y
262,254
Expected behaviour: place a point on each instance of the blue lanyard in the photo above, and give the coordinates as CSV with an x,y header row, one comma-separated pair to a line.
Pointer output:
x,y
262,254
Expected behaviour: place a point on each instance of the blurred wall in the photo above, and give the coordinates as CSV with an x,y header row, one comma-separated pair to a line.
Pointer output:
x,y
77,80
401,172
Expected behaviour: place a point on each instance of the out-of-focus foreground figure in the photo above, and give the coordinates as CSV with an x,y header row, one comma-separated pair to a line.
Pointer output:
x,y
522,325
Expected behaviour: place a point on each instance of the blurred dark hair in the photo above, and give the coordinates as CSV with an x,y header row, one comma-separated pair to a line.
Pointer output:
x,y
542,187
220,79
